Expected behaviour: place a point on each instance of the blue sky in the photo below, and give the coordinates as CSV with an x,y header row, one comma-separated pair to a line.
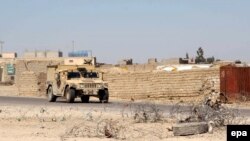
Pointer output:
x,y
138,29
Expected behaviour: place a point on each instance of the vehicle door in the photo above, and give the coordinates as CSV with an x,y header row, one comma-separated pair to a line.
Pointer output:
x,y
58,87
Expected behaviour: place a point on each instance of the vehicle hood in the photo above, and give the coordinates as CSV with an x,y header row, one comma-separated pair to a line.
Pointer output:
x,y
85,81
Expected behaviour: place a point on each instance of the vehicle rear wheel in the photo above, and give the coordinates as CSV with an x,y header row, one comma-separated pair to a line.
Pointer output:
x,y
51,96
85,99
104,96
70,95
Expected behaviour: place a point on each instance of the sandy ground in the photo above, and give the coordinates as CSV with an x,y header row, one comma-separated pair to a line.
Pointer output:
x,y
29,123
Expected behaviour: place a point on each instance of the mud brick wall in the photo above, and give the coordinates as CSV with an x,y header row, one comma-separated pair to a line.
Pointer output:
x,y
37,66
157,85
31,76
29,86
41,82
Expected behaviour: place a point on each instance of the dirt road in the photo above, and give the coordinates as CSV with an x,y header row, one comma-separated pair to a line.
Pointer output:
x,y
113,105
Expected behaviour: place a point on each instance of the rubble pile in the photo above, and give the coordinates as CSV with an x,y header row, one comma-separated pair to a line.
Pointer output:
x,y
211,110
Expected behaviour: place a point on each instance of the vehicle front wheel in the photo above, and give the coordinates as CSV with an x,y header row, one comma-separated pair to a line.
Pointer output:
x,y
104,96
85,99
70,95
51,96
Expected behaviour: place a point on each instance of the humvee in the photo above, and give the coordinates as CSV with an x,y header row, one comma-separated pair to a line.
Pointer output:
x,y
70,82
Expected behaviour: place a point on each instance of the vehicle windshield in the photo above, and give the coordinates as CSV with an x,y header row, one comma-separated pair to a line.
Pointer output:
x,y
90,75
74,75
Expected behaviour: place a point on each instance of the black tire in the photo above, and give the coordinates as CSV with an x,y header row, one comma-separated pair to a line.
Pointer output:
x,y
70,95
51,96
85,99
104,96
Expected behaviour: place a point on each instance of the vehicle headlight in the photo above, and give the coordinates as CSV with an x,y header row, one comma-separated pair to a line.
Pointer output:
x,y
81,85
98,86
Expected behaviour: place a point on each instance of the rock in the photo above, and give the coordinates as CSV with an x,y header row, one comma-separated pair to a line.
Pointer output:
x,y
53,120
191,128
210,127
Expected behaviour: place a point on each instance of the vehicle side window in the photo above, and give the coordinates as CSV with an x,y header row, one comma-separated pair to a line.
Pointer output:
x,y
57,76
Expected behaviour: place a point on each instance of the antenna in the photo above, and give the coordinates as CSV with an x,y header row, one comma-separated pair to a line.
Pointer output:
x,y
1,43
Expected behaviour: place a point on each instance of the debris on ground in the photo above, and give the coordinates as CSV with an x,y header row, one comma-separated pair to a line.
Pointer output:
x,y
210,111
191,128
147,113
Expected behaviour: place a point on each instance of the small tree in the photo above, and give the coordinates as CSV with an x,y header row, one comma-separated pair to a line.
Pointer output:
x,y
200,56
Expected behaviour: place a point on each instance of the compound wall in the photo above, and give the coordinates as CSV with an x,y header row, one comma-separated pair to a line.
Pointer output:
x,y
31,77
158,85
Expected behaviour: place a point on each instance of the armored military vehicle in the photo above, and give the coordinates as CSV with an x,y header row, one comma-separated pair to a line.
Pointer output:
x,y
70,82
